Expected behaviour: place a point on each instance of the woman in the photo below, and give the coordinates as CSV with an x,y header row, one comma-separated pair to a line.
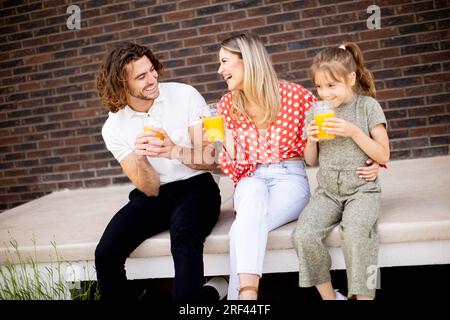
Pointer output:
x,y
264,118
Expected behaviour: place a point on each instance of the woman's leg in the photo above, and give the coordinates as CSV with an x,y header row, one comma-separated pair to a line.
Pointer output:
x,y
279,195
250,203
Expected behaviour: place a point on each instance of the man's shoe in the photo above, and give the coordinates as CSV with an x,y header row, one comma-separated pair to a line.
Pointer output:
x,y
220,284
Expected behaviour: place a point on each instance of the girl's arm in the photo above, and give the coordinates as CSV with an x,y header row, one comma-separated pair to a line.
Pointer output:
x,y
311,151
376,148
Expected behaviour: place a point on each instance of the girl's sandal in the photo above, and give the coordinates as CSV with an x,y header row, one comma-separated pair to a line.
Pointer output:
x,y
251,288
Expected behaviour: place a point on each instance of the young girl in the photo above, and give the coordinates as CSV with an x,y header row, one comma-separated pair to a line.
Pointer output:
x,y
359,126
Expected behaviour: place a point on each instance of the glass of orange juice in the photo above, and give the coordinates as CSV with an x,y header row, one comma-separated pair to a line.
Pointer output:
x,y
213,123
151,123
322,110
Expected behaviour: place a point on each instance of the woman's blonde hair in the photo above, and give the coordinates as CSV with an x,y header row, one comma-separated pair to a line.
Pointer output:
x,y
260,80
339,62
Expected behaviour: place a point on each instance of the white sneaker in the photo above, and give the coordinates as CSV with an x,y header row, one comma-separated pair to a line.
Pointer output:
x,y
340,296
220,284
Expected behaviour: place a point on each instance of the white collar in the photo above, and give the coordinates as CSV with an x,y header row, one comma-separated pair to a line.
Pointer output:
x,y
132,113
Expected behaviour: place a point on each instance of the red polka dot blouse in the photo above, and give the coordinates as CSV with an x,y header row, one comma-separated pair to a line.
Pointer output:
x,y
280,141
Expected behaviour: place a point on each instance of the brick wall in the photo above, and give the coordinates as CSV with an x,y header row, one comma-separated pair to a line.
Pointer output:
x,y
51,117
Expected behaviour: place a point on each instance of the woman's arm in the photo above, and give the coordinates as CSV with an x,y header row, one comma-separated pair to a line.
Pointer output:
x,y
369,172
199,157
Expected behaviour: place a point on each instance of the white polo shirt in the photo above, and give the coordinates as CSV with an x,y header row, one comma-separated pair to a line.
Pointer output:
x,y
179,106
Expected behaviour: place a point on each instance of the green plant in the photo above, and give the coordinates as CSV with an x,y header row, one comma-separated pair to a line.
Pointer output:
x,y
24,279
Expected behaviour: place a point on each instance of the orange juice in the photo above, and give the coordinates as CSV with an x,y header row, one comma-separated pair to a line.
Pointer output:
x,y
157,134
319,118
214,128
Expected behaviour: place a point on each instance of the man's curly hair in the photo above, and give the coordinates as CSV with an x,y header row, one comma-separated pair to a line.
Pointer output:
x,y
112,78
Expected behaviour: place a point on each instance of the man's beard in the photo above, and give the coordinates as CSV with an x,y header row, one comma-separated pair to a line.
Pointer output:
x,y
140,96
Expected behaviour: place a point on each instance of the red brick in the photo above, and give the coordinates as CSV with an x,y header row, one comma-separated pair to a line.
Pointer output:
x,y
178,15
291,56
215,28
429,131
249,23
355,6
38,59
379,33
29,86
435,57
192,4
382,54
390,94
199,40
400,62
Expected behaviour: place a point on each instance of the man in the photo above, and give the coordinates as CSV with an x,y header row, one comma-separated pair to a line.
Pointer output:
x,y
172,192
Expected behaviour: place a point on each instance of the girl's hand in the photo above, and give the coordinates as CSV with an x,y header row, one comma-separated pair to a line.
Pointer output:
x,y
312,131
340,127
369,173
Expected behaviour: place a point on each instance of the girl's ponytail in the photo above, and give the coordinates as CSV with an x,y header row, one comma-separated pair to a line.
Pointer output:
x,y
364,78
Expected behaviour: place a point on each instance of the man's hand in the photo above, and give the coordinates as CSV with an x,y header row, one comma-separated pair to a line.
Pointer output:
x,y
162,148
141,143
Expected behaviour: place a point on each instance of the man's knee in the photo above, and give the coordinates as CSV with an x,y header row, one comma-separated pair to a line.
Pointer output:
x,y
105,253
188,235
101,252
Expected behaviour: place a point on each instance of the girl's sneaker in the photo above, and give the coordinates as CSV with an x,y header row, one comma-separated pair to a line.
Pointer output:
x,y
340,296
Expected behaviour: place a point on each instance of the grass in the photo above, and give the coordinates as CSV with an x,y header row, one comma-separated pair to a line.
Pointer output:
x,y
24,279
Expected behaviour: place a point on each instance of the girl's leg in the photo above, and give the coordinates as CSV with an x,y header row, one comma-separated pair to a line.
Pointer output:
x,y
359,231
314,224
326,291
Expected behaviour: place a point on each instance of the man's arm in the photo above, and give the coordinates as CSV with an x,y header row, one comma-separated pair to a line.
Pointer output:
x,y
138,169
141,173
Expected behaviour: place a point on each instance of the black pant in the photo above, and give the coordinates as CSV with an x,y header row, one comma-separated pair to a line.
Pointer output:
x,y
188,208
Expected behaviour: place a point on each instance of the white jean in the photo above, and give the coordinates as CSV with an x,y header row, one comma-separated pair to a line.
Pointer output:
x,y
275,195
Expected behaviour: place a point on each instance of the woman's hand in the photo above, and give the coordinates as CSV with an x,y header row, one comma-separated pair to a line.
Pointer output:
x,y
369,173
